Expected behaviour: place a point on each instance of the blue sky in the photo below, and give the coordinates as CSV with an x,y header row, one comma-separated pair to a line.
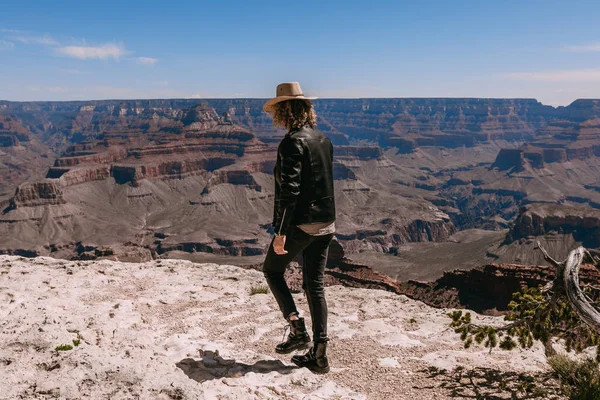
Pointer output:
x,y
75,50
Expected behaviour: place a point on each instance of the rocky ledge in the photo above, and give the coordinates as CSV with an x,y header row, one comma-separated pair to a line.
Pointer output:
x,y
171,329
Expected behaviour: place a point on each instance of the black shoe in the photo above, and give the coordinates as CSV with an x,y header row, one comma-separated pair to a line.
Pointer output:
x,y
315,360
298,338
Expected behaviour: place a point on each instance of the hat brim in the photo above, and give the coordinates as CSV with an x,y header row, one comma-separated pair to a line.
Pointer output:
x,y
269,105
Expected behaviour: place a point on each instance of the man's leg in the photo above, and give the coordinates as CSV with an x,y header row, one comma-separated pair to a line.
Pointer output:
x,y
313,269
275,265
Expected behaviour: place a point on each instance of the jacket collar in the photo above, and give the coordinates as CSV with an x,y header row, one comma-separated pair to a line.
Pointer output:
x,y
290,133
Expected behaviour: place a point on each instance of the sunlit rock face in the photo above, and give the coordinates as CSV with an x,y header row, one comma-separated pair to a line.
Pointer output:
x,y
196,176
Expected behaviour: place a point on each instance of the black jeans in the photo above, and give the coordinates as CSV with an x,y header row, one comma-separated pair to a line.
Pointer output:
x,y
314,257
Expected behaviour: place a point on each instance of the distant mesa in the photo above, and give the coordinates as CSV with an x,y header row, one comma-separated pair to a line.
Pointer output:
x,y
557,142
36,194
547,219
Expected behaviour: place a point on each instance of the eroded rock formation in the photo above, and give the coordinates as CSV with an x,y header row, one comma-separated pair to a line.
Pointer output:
x,y
199,174
557,142
37,194
546,219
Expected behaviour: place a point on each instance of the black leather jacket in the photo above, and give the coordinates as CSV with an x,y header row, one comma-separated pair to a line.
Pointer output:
x,y
303,179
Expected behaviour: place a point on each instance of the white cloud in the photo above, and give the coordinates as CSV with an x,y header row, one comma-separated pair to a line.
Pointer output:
x,y
103,52
5,30
46,40
584,48
568,76
146,60
4,45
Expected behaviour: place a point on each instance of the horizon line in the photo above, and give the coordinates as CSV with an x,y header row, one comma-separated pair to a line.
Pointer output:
x,y
319,98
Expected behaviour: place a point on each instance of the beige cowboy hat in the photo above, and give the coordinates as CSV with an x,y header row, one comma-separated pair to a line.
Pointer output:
x,y
286,91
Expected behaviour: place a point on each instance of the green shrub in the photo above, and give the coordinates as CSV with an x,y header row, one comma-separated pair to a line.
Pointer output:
x,y
531,317
580,380
64,347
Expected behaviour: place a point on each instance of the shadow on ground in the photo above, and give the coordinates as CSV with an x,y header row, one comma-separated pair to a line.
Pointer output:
x,y
491,384
213,366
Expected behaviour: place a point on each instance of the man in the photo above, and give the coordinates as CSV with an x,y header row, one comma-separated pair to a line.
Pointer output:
x,y
303,219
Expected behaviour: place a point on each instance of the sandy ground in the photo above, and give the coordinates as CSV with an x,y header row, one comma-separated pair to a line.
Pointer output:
x,y
172,329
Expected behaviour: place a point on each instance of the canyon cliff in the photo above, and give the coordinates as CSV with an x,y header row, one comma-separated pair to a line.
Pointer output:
x,y
161,180
164,176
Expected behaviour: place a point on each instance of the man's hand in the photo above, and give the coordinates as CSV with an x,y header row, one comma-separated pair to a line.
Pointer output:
x,y
278,245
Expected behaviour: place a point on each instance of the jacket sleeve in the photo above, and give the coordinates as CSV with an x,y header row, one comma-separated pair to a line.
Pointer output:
x,y
291,154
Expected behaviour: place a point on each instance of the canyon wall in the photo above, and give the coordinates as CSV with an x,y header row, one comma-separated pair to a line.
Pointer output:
x,y
406,169
189,180
407,123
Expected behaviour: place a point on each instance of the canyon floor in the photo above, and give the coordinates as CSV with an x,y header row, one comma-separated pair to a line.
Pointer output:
x,y
173,329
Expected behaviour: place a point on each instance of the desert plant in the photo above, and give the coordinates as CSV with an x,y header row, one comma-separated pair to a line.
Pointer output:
x,y
76,342
560,310
259,289
531,318
64,347
579,379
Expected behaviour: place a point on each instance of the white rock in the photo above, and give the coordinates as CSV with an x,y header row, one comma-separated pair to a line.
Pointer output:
x,y
148,332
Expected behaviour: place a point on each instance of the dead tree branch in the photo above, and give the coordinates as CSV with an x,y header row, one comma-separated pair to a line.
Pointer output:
x,y
567,284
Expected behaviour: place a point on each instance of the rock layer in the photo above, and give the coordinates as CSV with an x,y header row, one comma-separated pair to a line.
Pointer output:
x,y
405,169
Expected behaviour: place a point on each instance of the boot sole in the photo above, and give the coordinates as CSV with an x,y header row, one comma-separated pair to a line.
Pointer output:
x,y
315,370
298,347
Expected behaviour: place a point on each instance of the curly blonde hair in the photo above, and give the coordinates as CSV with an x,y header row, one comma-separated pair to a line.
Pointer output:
x,y
294,114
